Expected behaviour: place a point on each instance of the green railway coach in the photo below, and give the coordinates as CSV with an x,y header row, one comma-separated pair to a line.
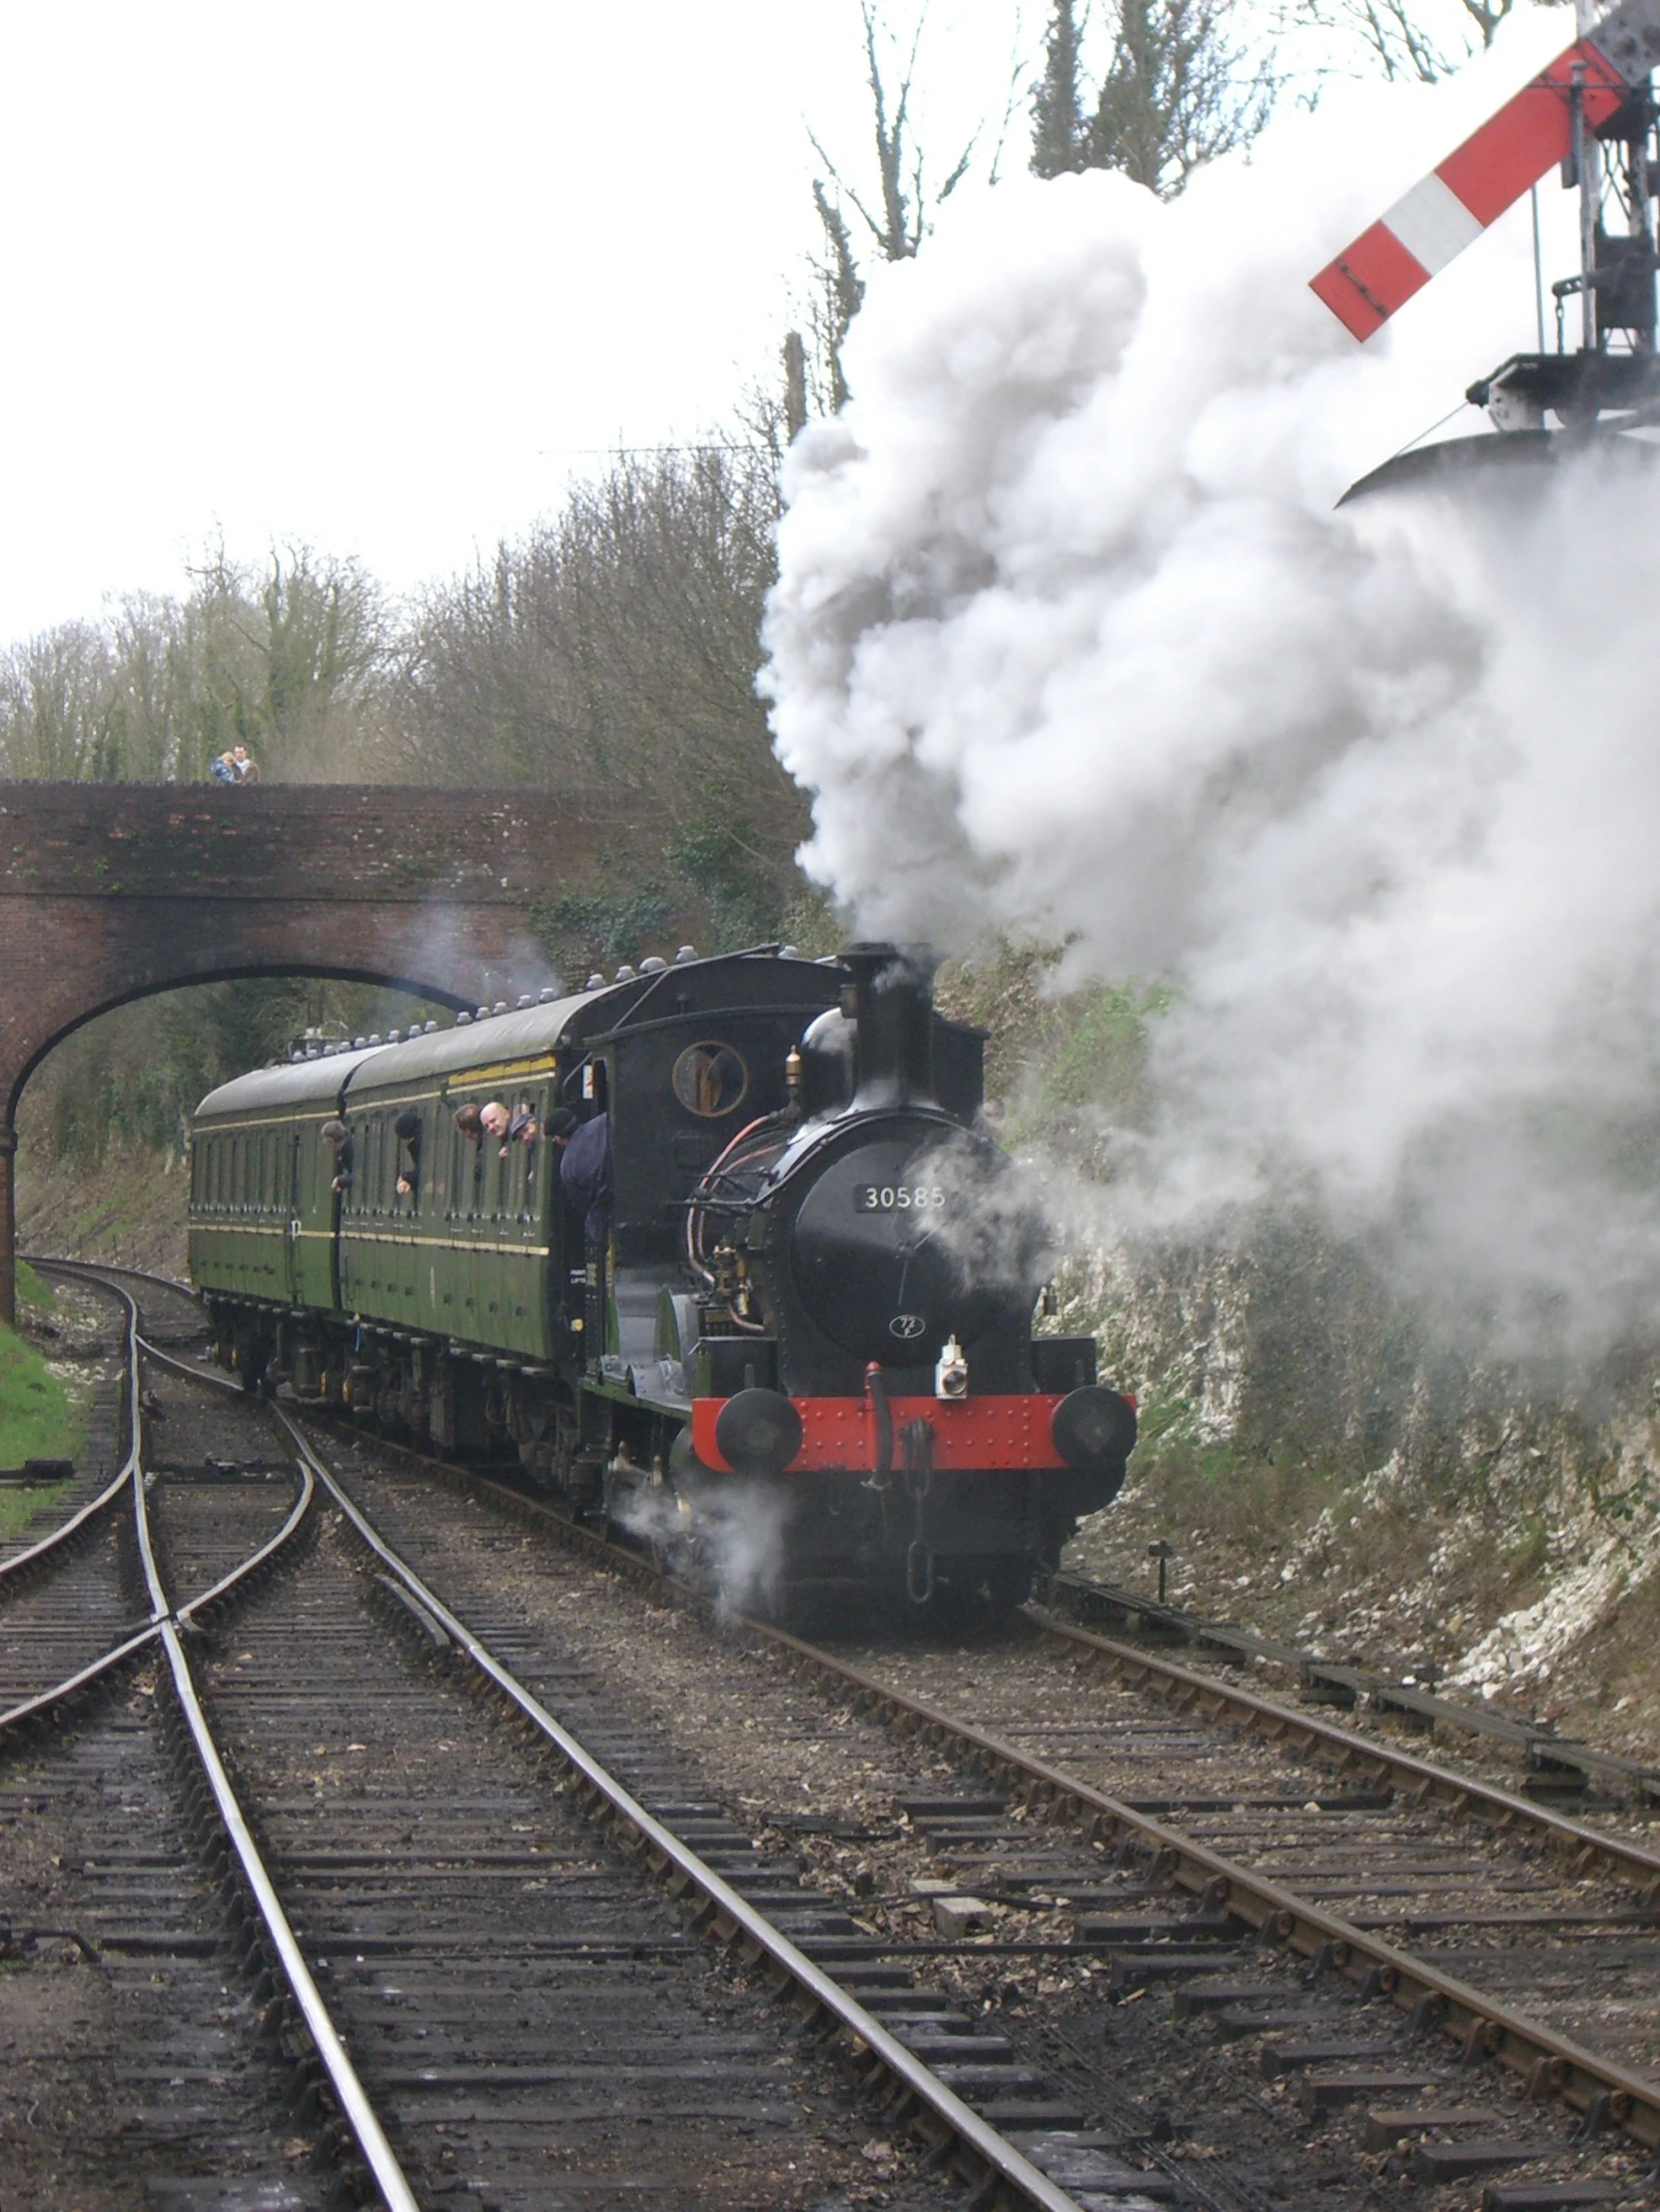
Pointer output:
x,y
262,1208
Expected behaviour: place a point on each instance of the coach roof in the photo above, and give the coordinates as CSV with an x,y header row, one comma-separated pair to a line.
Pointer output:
x,y
292,1083
530,1034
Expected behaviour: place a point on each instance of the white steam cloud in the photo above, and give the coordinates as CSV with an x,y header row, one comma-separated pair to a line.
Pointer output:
x,y
1068,636
739,1539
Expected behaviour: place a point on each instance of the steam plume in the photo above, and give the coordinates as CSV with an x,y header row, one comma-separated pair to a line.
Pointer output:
x,y
1068,636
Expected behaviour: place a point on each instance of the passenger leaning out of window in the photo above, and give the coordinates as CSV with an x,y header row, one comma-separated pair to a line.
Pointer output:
x,y
337,1138
495,1121
407,1129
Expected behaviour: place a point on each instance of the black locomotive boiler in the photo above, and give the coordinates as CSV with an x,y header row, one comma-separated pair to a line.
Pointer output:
x,y
793,1349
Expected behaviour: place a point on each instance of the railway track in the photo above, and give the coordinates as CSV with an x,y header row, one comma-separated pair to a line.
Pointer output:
x,y
467,1987
1033,1849
1556,1768
1507,1955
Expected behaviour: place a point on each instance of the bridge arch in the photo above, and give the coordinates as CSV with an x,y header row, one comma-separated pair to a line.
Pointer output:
x,y
111,893
438,993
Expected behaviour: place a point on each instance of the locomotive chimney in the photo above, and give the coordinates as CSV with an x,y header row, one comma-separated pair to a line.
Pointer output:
x,y
893,1005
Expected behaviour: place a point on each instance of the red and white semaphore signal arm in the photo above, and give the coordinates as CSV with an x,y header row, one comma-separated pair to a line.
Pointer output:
x,y
1453,204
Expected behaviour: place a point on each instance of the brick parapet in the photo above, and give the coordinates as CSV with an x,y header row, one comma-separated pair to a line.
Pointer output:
x,y
295,841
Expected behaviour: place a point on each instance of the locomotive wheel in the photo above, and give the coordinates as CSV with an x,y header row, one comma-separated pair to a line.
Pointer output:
x,y
253,1357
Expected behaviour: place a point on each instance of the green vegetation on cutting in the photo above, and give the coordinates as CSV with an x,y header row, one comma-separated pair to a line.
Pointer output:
x,y
37,1421
31,1291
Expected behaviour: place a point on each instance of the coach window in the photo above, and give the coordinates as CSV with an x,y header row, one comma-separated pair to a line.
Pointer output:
x,y
487,1201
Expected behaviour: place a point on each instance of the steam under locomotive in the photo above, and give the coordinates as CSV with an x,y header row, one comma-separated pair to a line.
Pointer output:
x,y
803,1342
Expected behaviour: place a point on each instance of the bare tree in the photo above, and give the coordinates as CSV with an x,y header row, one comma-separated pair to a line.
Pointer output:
x,y
1174,93
611,656
897,215
1423,40
839,297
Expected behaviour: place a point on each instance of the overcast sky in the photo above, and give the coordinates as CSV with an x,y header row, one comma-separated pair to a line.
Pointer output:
x,y
380,277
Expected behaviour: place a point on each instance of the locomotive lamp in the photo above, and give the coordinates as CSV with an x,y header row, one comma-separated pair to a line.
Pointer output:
x,y
951,1372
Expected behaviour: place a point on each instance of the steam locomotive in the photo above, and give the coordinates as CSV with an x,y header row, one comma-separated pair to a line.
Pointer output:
x,y
798,1354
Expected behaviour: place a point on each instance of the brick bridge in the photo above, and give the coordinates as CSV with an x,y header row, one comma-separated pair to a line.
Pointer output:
x,y
109,892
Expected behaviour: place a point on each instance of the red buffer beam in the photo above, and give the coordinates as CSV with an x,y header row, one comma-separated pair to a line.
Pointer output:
x,y
1514,149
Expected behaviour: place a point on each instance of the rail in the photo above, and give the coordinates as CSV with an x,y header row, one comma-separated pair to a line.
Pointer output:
x,y
164,1627
21,1563
1339,1682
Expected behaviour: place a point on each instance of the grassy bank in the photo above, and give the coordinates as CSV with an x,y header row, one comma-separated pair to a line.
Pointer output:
x,y
39,1419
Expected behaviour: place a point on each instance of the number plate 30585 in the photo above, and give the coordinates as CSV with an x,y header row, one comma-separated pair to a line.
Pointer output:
x,y
898,1197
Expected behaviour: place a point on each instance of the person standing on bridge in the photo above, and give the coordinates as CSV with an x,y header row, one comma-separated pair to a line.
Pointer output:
x,y
247,768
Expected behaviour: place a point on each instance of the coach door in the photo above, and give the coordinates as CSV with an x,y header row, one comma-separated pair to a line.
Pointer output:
x,y
287,1185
